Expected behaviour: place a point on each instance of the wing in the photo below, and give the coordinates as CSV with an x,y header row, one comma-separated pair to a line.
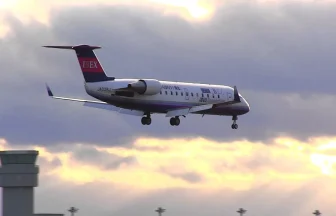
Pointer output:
x,y
185,111
97,104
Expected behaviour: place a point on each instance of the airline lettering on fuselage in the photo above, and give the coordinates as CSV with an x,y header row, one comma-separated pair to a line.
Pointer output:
x,y
104,89
205,90
214,91
90,64
171,87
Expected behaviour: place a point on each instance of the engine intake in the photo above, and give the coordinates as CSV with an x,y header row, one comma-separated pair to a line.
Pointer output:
x,y
146,86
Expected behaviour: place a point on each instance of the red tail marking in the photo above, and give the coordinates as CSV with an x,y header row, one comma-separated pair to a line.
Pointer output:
x,y
90,65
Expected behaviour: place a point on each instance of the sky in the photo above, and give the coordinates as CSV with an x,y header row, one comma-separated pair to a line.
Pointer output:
x,y
280,54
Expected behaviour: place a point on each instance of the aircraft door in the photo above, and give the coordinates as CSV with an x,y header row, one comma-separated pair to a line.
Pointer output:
x,y
229,96
186,92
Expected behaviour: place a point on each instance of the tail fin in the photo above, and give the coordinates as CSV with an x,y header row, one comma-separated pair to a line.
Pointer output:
x,y
91,68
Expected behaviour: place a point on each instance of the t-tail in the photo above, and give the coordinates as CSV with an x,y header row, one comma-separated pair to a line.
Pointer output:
x,y
91,68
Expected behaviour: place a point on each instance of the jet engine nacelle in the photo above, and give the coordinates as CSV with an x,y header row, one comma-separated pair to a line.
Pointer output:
x,y
146,86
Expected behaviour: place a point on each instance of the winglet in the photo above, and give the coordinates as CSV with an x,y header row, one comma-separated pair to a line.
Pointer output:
x,y
235,94
49,91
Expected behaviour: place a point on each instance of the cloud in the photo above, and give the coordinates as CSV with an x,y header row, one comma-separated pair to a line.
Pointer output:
x,y
284,175
91,155
30,10
198,163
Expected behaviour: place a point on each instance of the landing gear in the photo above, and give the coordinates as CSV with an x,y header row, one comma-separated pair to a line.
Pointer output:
x,y
146,120
234,124
175,121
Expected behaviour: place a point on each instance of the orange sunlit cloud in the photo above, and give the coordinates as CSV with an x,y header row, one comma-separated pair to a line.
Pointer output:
x,y
39,10
200,163
196,9
191,10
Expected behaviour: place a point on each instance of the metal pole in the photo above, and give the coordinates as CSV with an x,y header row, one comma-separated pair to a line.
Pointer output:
x,y
317,212
73,210
160,210
241,211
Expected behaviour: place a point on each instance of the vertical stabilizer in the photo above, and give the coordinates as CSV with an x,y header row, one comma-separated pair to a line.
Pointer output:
x,y
89,63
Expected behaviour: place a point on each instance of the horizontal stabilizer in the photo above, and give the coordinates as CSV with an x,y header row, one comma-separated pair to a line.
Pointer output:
x,y
89,47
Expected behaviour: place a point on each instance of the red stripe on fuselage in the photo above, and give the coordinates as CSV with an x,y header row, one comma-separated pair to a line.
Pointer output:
x,y
90,65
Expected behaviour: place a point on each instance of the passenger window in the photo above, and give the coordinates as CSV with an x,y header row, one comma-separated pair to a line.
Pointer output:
x,y
187,94
171,93
160,92
202,95
213,96
208,95
192,94
218,96
182,93
166,92
176,93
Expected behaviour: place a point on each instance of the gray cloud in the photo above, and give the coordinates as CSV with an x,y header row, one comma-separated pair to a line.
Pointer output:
x,y
188,176
49,165
268,51
91,155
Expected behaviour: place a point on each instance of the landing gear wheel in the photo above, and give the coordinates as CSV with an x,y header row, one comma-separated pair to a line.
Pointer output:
x,y
234,126
175,121
146,120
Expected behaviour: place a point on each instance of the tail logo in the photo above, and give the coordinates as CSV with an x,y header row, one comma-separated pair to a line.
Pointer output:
x,y
89,64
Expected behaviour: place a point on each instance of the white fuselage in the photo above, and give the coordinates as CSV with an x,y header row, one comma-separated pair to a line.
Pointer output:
x,y
173,95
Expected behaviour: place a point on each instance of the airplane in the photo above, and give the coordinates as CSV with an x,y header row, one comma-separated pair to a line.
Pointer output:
x,y
143,97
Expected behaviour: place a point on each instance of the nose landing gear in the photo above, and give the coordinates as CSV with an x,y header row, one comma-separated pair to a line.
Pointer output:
x,y
234,124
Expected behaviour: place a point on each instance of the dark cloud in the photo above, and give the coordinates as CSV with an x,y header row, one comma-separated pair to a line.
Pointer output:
x,y
188,176
49,165
161,149
91,155
268,51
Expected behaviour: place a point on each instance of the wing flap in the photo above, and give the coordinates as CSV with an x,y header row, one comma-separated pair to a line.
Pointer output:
x,y
200,108
178,112
131,112
101,106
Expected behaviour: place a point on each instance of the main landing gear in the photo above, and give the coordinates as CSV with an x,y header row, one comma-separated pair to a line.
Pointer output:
x,y
234,124
175,121
146,120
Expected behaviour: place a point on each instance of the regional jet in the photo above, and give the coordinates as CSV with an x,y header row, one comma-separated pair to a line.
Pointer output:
x,y
143,97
